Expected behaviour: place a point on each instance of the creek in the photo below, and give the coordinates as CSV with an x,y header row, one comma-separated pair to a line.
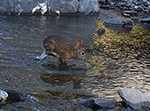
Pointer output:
x,y
21,41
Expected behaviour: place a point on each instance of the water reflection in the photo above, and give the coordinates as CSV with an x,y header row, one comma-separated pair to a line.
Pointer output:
x,y
59,74
60,79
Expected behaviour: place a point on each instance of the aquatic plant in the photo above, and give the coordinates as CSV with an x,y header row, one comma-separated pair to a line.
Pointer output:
x,y
121,43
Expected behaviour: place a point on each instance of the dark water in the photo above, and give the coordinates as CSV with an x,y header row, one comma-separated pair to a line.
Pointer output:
x,y
20,42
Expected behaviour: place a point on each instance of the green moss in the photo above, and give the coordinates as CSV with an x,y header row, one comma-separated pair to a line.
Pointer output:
x,y
113,42
66,96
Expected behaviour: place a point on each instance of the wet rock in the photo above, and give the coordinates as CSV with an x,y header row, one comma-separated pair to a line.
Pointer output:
x,y
119,20
105,103
10,96
126,15
105,6
101,31
96,103
147,20
87,102
128,26
119,23
130,12
3,96
14,96
129,7
135,98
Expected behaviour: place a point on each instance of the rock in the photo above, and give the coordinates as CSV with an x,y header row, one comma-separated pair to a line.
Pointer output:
x,y
135,20
96,103
105,6
69,6
135,98
105,103
86,102
128,26
125,15
119,20
3,97
119,23
88,6
147,20
14,96
130,12
101,31
63,6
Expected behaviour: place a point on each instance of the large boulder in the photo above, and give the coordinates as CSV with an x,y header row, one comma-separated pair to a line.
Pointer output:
x,y
88,6
135,98
63,6
17,6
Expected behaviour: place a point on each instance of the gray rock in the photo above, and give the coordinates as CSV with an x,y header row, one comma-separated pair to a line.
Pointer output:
x,y
105,103
119,23
101,31
15,96
86,102
88,6
3,96
119,20
130,12
135,98
147,20
96,103
64,6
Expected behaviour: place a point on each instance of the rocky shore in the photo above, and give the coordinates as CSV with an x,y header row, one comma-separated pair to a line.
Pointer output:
x,y
127,7
132,99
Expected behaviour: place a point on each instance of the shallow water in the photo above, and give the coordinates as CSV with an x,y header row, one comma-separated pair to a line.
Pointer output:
x,y
21,41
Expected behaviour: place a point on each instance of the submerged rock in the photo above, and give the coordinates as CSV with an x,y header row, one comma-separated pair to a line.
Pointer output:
x,y
96,103
10,96
135,98
14,96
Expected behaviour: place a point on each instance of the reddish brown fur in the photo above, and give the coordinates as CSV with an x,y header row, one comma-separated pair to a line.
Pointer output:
x,y
59,47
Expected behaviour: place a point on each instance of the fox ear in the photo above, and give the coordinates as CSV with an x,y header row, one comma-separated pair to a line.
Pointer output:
x,y
79,44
